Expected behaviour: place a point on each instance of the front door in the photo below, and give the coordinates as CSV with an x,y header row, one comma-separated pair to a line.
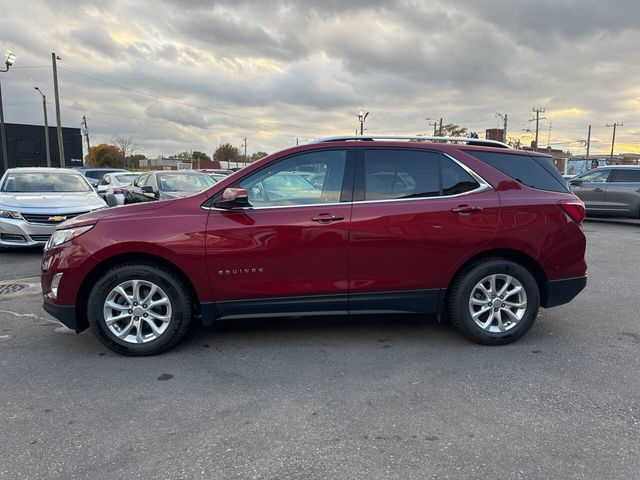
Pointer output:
x,y
415,215
288,252
590,188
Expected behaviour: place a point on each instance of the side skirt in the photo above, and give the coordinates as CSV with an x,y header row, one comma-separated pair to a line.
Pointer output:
x,y
428,301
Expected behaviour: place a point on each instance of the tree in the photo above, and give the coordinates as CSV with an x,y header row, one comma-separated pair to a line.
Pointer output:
x,y
133,161
125,145
227,153
104,155
453,130
257,156
200,156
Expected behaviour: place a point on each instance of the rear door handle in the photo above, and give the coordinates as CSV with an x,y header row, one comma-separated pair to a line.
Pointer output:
x,y
327,218
466,209
597,189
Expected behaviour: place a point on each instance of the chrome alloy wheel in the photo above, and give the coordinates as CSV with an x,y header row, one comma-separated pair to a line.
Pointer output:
x,y
497,303
137,311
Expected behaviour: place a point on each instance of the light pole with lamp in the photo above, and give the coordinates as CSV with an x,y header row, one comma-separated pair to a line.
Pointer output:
x,y
46,125
361,118
5,158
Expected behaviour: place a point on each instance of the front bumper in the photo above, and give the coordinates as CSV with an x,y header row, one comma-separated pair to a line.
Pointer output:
x,y
66,314
559,292
20,233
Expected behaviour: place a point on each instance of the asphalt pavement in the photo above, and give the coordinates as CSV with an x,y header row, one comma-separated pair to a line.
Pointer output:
x,y
336,398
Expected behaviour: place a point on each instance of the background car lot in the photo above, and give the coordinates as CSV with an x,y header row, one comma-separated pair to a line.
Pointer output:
x,y
391,397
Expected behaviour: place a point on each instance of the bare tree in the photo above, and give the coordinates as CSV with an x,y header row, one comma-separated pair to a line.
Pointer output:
x,y
126,147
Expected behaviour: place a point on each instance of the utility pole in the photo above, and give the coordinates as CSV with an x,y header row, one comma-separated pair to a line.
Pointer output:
x,y
86,133
440,130
46,126
549,137
54,57
537,111
434,125
245,151
361,118
504,122
3,136
588,141
613,139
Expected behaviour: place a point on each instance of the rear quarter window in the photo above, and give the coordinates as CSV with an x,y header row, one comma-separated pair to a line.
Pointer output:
x,y
534,172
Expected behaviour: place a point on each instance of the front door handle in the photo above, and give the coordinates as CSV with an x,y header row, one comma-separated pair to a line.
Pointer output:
x,y
327,218
598,189
466,209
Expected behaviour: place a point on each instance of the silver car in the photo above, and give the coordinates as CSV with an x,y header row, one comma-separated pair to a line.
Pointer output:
x,y
612,191
34,200
113,187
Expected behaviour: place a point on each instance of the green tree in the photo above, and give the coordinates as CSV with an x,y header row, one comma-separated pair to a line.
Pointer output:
x,y
104,155
227,153
133,161
453,130
257,156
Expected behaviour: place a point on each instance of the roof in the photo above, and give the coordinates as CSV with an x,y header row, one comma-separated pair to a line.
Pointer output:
x,y
44,170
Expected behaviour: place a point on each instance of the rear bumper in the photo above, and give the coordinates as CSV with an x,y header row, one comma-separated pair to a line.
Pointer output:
x,y
559,292
66,314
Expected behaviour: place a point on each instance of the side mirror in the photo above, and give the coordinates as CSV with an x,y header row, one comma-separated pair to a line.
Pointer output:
x,y
148,190
233,198
577,183
102,188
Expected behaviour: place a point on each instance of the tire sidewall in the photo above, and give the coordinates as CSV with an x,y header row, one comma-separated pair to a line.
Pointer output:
x,y
180,307
471,279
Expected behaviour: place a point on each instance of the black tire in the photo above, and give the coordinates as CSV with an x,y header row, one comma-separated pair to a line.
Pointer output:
x,y
171,285
462,288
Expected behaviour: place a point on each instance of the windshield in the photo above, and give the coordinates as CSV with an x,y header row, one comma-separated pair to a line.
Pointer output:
x,y
128,178
183,182
44,182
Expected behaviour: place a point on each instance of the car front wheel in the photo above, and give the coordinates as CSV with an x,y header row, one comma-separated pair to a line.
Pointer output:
x,y
494,302
139,309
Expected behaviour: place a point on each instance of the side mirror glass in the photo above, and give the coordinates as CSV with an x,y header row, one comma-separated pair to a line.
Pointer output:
x,y
233,198
148,190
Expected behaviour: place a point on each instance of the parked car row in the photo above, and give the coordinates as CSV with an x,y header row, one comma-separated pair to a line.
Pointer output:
x,y
34,200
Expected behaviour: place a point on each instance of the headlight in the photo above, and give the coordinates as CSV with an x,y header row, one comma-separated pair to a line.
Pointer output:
x,y
10,214
62,236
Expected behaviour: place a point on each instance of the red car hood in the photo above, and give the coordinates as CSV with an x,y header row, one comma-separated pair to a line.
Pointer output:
x,y
125,211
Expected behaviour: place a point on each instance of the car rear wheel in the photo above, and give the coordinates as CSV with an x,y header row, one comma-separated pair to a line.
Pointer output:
x,y
139,309
494,301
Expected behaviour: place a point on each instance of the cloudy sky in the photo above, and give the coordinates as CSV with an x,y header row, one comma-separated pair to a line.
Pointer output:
x,y
187,75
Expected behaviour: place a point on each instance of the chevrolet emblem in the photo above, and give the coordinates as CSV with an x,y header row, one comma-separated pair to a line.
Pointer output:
x,y
57,218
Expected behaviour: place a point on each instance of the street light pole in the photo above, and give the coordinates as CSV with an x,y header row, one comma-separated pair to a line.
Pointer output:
x,y
46,125
54,57
3,136
361,118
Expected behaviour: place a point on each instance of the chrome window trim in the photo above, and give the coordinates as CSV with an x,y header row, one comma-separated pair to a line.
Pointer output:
x,y
483,186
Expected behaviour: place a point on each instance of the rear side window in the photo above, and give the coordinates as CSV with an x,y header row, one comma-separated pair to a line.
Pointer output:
x,y
535,172
630,175
396,174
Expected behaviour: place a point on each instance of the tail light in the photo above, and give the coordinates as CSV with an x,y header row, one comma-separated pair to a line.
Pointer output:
x,y
574,209
118,191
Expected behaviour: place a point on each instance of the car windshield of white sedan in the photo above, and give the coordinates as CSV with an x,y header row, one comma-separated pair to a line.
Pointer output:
x,y
184,183
44,182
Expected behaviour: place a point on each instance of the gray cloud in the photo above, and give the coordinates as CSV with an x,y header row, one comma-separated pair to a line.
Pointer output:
x,y
195,73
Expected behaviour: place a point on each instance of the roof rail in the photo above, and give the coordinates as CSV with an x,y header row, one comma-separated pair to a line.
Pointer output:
x,y
467,140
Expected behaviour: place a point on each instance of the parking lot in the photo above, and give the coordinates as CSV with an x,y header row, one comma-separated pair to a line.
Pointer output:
x,y
363,397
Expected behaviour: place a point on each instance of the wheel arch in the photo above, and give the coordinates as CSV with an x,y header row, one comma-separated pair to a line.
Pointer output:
x,y
130,257
516,256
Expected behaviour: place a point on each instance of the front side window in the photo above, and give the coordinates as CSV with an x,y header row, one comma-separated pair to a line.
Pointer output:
x,y
305,179
627,175
598,176
182,182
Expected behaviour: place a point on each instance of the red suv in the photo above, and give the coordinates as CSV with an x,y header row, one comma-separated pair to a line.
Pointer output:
x,y
472,229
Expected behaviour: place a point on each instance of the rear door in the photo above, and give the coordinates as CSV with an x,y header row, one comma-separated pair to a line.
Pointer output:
x,y
622,197
590,187
415,214
288,252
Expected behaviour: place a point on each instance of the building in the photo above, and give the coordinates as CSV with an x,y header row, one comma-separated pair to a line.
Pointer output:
x,y
26,146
